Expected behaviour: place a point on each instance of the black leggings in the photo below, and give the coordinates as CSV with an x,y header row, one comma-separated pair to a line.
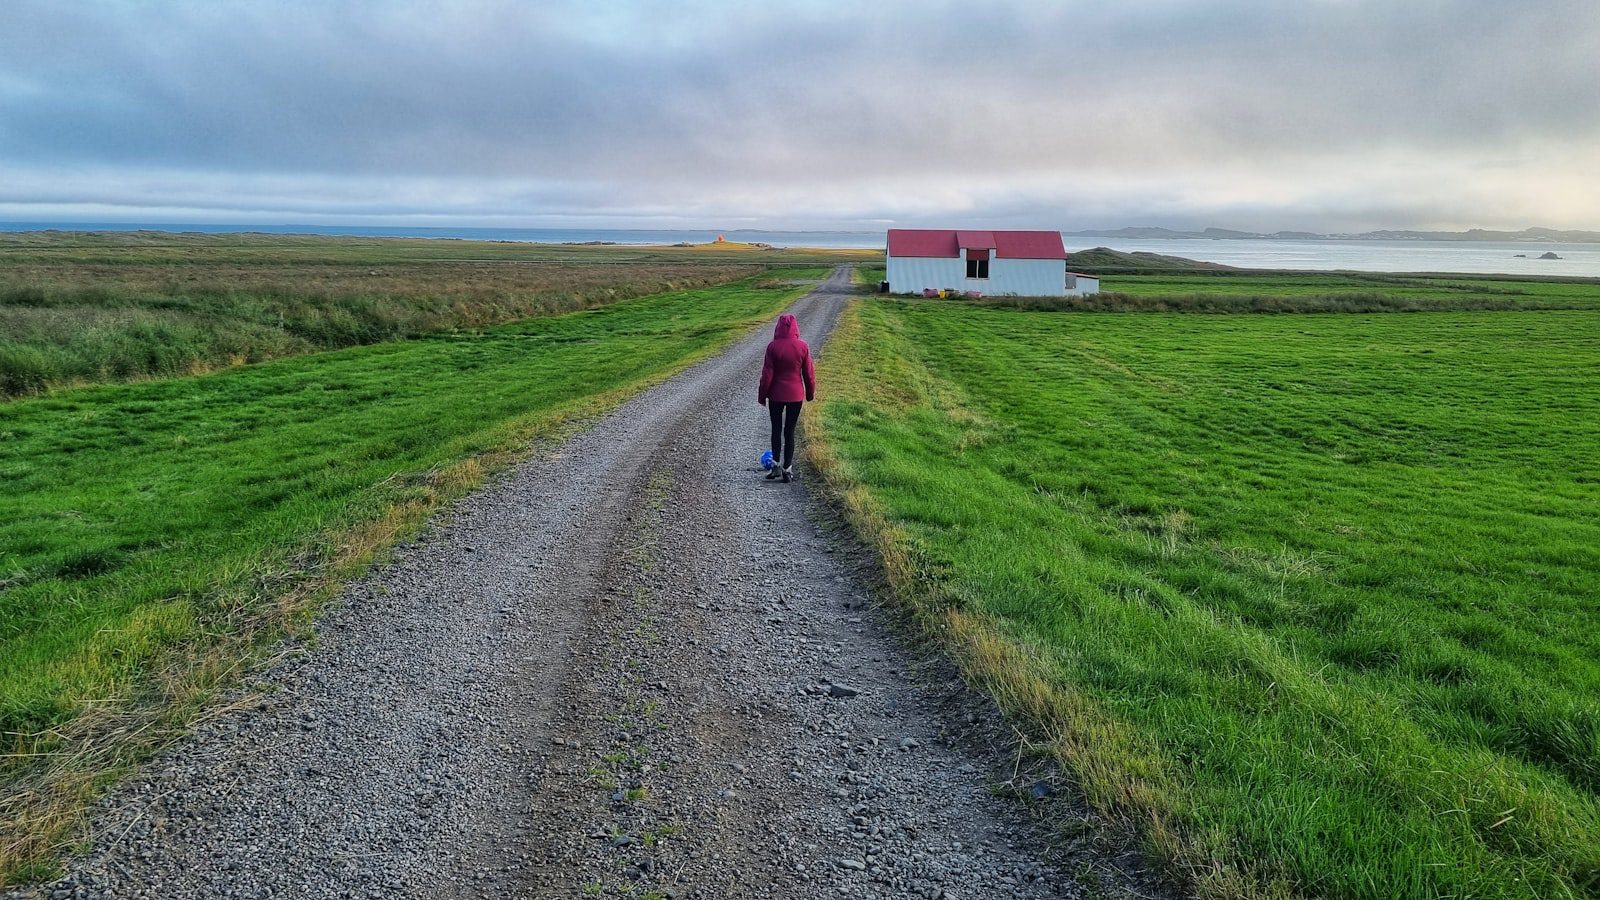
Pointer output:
x,y
784,417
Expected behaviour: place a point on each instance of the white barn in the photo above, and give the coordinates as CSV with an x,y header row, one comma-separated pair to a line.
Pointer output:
x,y
1007,263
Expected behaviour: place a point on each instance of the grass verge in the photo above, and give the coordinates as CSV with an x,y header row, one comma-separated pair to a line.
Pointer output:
x,y
1244,291
1305,602
156,537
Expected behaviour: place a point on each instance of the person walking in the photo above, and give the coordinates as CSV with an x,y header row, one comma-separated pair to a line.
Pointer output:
x,y
787,380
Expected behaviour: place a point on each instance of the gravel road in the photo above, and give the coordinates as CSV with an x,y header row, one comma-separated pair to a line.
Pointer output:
x,y
629,666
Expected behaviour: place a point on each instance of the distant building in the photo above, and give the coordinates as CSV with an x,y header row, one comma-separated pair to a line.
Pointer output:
x,y
1006,263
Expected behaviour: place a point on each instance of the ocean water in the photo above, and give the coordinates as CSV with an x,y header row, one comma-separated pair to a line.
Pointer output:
x,y
1508,258
1488,257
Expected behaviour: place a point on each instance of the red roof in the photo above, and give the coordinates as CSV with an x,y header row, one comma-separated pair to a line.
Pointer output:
x,y
923,242
943,243
976,240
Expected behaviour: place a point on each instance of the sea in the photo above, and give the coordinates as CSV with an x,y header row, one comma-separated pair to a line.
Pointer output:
x,y
1466,257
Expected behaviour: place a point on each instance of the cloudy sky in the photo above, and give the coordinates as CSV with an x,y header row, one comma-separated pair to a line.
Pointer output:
x,y
1326,115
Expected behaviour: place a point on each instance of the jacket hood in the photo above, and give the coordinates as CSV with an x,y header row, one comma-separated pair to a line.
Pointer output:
x,y
787,327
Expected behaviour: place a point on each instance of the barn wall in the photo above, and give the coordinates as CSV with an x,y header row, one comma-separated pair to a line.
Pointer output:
x,y
910,274
1082,285
1023,277
1020,277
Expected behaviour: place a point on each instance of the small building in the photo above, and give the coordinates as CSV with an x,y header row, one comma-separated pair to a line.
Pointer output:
x,y
1005,263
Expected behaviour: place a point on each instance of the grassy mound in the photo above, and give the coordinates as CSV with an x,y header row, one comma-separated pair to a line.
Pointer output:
x,y
1104,260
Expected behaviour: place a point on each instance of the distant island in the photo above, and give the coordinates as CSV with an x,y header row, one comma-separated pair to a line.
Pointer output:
x,y
1106,261
1527,235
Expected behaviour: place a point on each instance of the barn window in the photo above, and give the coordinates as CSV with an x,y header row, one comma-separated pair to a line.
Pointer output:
x,y
978,266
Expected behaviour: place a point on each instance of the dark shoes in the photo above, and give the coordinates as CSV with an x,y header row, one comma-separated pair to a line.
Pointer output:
x,y
788,473
773,472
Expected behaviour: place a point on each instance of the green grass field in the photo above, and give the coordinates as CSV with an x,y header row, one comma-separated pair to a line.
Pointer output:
x,y
1346,291
80,309
154,535
1302,283
1310,600
1239,290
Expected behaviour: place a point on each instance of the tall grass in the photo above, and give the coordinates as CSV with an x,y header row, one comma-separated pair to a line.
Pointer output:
x,y
73,325
85,308
1310,600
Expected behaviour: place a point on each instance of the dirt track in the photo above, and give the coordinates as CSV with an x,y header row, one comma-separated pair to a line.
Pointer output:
x,y
627,665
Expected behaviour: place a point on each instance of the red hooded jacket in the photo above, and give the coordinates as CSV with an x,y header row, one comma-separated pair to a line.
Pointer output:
x,y
787,375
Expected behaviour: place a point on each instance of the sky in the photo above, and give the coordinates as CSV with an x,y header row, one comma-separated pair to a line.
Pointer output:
x,y
1321,115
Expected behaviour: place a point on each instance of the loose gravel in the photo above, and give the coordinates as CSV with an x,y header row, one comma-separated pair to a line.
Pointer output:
x,y
628,667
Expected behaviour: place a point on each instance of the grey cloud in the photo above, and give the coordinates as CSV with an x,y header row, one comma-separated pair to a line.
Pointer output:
x,y
793,111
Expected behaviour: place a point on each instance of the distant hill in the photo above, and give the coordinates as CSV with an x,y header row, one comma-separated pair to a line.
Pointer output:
x,y
1106,261
1527,235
